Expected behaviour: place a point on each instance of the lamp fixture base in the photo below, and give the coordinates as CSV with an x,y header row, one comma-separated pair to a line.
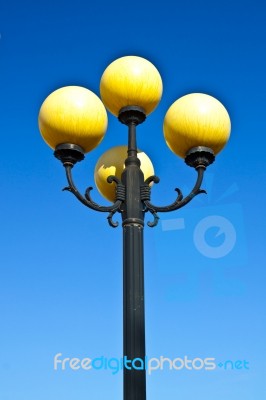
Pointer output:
x,y
69,154
200,156
132,114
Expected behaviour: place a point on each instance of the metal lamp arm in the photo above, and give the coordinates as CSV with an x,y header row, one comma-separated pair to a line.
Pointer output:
x,y
179,202
87,201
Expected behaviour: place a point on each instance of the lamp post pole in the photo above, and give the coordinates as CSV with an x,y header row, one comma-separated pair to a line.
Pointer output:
x,y
133,265
73,121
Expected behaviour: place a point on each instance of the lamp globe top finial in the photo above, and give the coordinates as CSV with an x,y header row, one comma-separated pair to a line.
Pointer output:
x,y
131,81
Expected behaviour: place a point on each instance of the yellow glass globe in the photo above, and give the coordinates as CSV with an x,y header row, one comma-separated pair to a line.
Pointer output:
x,y
73,114
112,162
131,81
196,119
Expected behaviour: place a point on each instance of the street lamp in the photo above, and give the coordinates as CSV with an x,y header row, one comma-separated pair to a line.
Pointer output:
x,y
73,121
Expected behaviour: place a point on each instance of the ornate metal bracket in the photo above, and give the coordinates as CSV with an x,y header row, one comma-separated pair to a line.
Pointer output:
x,y
87,200
69,155
179,202
199,158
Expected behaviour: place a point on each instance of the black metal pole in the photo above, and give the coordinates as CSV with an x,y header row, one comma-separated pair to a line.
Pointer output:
x,y
133,284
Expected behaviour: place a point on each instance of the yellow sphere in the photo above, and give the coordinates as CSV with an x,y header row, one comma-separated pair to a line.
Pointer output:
x,y
196,119
112,162
131,81
73,114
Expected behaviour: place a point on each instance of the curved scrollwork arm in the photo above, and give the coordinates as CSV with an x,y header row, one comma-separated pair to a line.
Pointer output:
x,y
155,221
151,179
180,200
87,201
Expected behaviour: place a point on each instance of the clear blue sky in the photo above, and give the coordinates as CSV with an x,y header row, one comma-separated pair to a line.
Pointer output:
x,y
61,264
